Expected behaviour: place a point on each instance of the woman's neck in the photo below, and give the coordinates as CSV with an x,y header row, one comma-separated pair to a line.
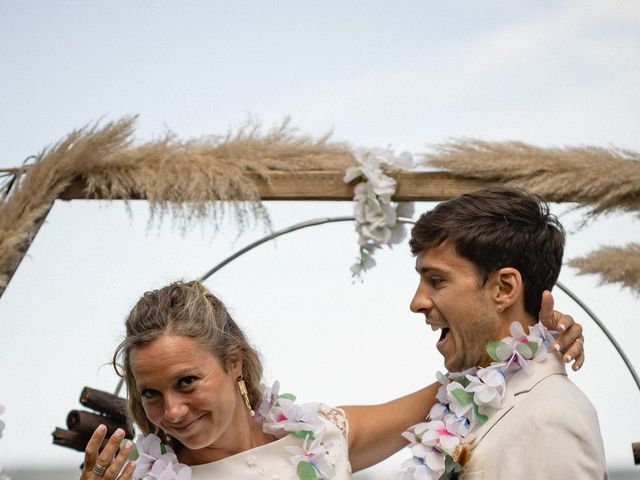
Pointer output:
x,y
247,435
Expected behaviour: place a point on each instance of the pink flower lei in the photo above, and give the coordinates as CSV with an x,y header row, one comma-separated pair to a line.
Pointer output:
x,y
466,400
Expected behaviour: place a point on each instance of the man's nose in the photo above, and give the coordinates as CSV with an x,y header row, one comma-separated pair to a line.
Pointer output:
x,y
421,302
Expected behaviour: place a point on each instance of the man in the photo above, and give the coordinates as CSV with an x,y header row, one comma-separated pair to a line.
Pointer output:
x,y
485,258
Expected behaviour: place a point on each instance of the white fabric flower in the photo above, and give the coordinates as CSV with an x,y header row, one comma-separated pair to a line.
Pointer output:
x,y
427,463
269,398
290,417
488,387
314,452
153,464
460,402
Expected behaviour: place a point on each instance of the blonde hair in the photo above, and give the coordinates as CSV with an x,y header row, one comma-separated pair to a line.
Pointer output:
x,y
190,310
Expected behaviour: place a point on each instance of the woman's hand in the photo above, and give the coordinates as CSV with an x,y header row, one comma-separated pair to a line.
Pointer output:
x,y
106,464
570,342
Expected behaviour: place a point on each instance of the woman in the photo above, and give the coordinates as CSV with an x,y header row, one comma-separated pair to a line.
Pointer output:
x,y
193,379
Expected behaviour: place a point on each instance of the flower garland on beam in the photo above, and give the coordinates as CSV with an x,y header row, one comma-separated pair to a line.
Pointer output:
x,y
376,215
466,401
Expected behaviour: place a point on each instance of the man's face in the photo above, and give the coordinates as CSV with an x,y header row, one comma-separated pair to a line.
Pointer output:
x,y
453,299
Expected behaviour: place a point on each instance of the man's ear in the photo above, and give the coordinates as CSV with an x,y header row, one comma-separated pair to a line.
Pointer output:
x,y
508,287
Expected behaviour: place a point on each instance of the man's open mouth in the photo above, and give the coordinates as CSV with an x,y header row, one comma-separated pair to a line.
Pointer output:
x,y
443,334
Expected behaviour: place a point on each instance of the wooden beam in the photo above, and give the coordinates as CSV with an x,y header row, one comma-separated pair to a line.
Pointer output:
x,y
328,185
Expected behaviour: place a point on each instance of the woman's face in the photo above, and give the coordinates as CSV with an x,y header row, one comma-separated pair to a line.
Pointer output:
x,y
186,392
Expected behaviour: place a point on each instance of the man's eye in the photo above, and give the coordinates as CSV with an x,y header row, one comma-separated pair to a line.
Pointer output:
x,y
435,281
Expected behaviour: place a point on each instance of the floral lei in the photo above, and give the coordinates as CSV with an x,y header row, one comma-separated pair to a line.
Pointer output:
x,y
466,400
278,415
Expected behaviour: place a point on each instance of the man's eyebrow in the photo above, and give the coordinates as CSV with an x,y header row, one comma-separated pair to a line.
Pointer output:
x,y
428,269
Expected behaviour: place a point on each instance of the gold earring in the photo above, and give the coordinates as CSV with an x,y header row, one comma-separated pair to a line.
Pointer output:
x,y
500,308
245,394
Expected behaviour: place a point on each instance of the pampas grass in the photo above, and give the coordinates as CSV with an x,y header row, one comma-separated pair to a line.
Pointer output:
x,y
605,179
186,179
613,265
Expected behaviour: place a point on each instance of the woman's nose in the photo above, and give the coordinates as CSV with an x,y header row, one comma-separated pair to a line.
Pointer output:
x,y
175,408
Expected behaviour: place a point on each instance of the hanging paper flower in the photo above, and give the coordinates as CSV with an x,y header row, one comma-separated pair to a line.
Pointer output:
x,y
376,216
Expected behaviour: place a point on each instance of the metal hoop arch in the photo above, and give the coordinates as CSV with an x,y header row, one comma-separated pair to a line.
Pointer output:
x,y
325,220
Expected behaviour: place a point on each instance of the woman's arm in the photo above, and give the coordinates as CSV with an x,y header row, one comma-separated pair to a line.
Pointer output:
x,y
375,430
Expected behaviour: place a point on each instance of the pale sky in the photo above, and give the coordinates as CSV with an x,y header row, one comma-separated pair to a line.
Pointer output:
x,y
400,74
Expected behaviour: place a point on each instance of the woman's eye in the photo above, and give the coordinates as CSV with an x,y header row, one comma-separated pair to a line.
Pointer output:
x,y
148,393
187,381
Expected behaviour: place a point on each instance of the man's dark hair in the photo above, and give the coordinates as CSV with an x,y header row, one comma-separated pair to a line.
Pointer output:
x,y
498,227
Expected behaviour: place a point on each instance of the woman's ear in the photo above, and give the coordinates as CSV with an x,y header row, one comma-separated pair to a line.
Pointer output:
x,y
234,365
509,287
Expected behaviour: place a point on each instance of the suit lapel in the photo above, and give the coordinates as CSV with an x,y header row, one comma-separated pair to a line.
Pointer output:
x,y
519,383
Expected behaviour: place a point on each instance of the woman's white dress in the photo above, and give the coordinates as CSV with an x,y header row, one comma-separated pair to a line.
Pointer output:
x,y
280,459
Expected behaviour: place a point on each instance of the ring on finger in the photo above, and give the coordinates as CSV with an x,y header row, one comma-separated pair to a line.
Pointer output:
x,y
99,469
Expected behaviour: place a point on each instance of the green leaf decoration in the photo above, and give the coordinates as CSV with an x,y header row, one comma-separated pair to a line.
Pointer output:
x,y
304,434
464,381
492,350
527,349
306,471
481,418
452,469
287,396
463,397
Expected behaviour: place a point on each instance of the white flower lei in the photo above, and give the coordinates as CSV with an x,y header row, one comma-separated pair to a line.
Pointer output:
x,y
467,400
279,416
376,216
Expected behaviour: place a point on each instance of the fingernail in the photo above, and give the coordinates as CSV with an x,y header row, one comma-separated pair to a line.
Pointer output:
x,y
101,428
576,368
119,433
562,327
556,347
568,358
129,444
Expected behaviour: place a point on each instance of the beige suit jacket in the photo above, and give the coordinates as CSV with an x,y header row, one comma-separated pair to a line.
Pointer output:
x,y
547,428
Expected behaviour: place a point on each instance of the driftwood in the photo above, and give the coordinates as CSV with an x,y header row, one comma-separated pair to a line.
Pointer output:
x,y
104,402
108,411
70,439
86,422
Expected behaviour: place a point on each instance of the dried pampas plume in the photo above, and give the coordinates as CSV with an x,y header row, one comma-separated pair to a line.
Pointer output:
x,y
613,265
184,178
605,179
